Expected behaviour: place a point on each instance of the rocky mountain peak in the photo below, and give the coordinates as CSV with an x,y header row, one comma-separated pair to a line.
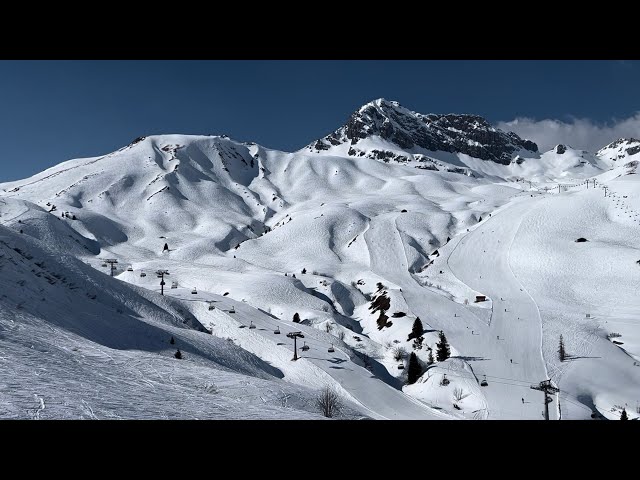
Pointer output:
x,y
416,132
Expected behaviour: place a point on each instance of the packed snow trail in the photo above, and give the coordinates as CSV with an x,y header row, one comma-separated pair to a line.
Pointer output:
x,y
480,259
380,399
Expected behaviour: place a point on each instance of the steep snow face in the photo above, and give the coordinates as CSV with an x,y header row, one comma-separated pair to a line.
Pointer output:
x,y
621,150
410,131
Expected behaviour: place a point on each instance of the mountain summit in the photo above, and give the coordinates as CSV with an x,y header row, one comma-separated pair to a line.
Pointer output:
x,y
411,131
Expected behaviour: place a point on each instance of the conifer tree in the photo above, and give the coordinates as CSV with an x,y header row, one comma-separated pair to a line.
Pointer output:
x,y
415,370
296,318
561,351
443,350
623,415
417,329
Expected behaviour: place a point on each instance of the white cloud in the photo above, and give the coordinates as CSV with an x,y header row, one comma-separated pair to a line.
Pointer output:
x,y
580,133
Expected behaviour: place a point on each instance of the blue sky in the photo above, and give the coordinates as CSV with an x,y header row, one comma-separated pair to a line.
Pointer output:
x,y
51,111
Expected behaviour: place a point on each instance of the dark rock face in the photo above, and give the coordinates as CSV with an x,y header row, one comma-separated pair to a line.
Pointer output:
x,y
560,149
469,134
633,150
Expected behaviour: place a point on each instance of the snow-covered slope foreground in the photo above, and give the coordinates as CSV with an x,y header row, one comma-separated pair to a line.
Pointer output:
x,y
79,344
394,216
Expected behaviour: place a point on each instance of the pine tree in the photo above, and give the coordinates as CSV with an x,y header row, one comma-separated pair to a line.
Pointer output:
x,y
296,318
304,270
178,354
172,341
480,219
430,358
561,351
443,351
415,370
166,247
416,330
623,415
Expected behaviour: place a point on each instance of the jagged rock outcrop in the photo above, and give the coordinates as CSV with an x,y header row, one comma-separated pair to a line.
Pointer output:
x,y
411,131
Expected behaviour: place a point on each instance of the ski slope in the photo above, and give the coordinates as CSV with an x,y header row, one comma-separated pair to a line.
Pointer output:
x,y
379,400
324,234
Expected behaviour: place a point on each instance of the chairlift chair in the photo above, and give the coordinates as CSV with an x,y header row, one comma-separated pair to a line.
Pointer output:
x,y
277,331
401,366
484,382
251,325
233,310
142,274
104,264
194,291
211,307
129,268
331,349
305,347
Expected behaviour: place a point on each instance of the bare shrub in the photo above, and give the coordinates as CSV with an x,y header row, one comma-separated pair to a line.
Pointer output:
x,y
328,402
341,335
399,353
458,394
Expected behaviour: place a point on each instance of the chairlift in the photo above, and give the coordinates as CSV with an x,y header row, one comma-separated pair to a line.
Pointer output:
x,y
104,264
401,366
277,331
211,307
305,347
142,274
194,291
484,382
174,284
445,380
251,325
233,310
129,268
331,349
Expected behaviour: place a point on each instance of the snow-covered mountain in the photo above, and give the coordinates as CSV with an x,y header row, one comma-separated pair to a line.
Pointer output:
x,y
393,217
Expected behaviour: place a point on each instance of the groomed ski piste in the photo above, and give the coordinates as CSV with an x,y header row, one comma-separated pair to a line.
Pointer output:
x,y
347,242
